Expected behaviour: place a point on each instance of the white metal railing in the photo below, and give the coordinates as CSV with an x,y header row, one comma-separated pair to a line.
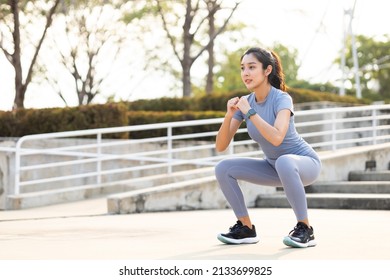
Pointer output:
x,y
63,159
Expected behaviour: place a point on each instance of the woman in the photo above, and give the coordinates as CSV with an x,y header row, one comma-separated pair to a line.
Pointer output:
x,y
289,161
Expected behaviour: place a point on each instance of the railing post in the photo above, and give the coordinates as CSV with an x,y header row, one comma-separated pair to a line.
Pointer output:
x,y
169,148
98,160
374,125
334,129
17,169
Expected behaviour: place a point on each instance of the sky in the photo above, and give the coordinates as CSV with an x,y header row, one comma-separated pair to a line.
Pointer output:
x,y
314,28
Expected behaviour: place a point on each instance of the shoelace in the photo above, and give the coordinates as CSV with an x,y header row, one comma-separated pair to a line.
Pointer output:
x,y
299,228
235,227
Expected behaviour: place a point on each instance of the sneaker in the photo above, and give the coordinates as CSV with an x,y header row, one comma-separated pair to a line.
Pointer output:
x,y
239,234
300,237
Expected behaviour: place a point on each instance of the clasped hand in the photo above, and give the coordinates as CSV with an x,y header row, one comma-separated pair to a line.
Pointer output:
x,y
238,103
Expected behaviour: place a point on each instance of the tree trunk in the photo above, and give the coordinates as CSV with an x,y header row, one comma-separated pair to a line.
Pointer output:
x,y
187,61
187,81
212,7
20,85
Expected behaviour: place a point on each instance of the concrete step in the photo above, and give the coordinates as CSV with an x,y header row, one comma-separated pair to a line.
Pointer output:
x,y
195,194
65,195
350,187
364,190
191,194
369,175
330,201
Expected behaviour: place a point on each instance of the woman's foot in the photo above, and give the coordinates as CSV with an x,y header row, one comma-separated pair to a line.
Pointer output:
x,y
239,234
301,236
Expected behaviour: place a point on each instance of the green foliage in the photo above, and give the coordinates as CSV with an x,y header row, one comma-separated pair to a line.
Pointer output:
x,y
25,122
160,104
288,57
217,101
148,117
374,65
228,78
29,121
139,10
327,87
307,95
8,124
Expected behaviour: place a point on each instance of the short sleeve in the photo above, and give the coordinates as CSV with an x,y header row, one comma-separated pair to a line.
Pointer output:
x,y
238,116
284,102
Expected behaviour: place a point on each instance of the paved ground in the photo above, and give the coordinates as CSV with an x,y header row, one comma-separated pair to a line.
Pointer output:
x,y
83,231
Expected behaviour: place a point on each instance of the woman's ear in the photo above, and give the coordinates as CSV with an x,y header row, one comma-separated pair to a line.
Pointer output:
x,y
268,70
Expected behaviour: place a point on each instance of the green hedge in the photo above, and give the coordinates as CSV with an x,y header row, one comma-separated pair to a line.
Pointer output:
x,y
161,104
32,121
29,121
307,95
217,102
146,117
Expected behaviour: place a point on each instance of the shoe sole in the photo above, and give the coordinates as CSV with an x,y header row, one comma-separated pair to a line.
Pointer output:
x,y
249,240
292,243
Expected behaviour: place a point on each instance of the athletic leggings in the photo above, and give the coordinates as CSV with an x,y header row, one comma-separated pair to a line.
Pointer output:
x,y
292,172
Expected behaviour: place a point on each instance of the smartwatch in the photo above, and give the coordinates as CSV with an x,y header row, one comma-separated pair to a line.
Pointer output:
x,y
250,113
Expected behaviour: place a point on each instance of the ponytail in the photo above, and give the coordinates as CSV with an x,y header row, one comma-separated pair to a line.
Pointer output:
x,y
276,78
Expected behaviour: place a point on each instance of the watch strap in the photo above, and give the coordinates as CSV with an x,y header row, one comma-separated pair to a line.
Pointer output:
x,y
250,113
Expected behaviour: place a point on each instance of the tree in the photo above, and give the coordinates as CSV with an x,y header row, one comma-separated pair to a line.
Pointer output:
x,y
374,65
189,44
212,6
92,42
11,12
91,36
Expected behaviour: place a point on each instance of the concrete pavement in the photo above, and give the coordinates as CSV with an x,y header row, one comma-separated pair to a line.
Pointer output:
x,y
84,231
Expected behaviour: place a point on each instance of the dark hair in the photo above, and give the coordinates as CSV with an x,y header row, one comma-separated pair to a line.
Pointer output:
x,y
276,78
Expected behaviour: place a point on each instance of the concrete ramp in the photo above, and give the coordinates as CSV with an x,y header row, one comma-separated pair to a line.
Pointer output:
x,y
65,195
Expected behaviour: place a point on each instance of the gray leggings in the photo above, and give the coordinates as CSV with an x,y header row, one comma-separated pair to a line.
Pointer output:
x,y
293,172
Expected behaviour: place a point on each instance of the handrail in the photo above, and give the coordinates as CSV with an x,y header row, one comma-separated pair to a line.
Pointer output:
x,y
99,158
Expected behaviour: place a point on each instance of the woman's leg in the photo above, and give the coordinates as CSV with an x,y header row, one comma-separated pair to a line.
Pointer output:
x,y
295,172
252,170
257,171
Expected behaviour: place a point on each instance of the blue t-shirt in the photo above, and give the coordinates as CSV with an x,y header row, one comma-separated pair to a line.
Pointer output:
x,y
293,143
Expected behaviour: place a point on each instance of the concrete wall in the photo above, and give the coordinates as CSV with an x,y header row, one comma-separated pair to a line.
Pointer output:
x,y
7,174
337,165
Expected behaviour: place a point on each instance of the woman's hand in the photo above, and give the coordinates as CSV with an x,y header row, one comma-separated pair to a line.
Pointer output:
x,y
231,105
243,105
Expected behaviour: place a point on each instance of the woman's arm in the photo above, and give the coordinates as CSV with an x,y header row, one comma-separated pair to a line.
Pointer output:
x,y
272,133
228,127
226,132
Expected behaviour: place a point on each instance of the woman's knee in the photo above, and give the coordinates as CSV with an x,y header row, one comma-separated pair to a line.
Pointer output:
x,y
222,167
285,162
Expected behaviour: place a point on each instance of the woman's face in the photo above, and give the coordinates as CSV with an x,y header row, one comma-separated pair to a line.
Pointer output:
x,y
252,73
